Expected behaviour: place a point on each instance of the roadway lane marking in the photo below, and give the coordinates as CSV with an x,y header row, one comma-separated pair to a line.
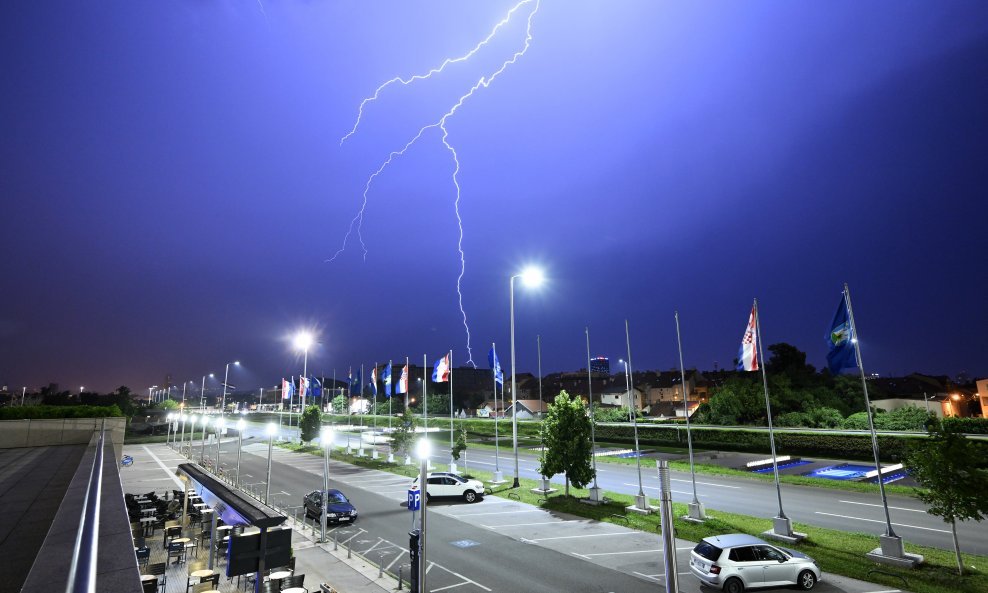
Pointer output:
x,y
542,539
868,504
878,521
529,524
707,484
673,491
163,467
886,591
497,513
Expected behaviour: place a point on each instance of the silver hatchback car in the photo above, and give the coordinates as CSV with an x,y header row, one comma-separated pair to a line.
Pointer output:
x,y
737,561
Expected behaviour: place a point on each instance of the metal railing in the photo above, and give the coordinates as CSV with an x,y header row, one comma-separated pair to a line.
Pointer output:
x,y
82,574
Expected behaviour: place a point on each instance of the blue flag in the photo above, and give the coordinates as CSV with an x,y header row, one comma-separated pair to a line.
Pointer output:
x,y
355,387
495,366
386,377
842,343
315,387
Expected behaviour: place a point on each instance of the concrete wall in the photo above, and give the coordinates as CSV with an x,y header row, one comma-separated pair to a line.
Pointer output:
x,y
61,431
116,564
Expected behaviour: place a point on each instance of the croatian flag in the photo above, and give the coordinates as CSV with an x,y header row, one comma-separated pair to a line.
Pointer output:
x,y
373,380
440,372
303,386
402,386
287,389
748,352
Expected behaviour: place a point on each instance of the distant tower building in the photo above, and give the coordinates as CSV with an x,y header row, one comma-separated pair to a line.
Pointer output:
x,y
600,367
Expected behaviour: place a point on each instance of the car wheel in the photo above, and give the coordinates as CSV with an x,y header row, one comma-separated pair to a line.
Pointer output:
x,y
734,585
428,498
470,496
806,580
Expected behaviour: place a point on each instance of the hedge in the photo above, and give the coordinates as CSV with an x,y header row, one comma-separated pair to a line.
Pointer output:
x,y
48,412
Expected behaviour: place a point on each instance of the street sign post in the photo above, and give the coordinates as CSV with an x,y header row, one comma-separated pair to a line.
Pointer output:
x,y
414,499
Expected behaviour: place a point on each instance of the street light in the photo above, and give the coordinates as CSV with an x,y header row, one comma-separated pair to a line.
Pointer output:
x,y
202,450
271,430
218,427
327,444
423,450
225,381
241,425
192,431
303,341
202,393
532,277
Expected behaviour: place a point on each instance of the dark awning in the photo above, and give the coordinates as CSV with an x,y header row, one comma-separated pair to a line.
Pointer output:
x,y
232,506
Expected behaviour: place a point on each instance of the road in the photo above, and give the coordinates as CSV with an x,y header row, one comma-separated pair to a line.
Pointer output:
x,y
834,509
493,545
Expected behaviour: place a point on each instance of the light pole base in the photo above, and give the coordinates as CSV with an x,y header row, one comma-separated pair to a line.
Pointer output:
x,y
408,460
696,514
374,454
391,457
360,452
452,467
498,478
782,531
544,488
892,553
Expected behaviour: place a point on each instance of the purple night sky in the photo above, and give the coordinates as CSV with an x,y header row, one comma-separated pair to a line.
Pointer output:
x,y
174,184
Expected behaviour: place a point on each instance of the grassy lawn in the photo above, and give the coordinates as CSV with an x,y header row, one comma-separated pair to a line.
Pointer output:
x,y
836,551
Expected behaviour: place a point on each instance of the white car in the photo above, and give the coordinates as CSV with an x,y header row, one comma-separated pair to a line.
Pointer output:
x,y
737,561
443,484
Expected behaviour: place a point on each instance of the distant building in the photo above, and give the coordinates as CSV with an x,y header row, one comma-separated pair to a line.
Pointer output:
x,y
618,396
600,367
983,396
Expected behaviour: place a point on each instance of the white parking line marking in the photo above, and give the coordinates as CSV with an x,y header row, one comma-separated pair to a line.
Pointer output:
x,y
878,521
627,552
655,488
164,467
529,524
542,539
709,484
497,513
868,504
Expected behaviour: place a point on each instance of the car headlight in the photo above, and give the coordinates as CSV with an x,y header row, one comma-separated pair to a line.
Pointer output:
x,y
333,515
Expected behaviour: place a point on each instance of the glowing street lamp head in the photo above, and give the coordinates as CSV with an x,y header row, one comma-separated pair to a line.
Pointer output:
x,y
423,449
303,340
272,429
532,276
241,425
220,423
194,419
326,436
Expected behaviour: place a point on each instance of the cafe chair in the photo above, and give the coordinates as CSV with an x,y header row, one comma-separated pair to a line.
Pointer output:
x,y
149,586
176,550
202,587
143,554
158,569
270,587
293,581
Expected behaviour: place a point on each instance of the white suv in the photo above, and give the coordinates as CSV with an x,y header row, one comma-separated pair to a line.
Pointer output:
x,y
443,484
737,561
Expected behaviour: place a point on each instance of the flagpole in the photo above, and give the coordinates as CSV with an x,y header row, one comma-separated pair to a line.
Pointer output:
x,y
451,460
374,408
783,520
642,503
497,439
390,396
291,405
696,512
538,349
334,391
595,491
871,423
403,371
361,399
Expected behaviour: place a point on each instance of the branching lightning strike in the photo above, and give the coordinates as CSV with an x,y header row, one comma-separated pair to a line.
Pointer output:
x,y
484,82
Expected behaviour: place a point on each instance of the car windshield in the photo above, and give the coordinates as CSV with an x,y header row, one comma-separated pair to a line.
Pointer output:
x,y
458,478
335,497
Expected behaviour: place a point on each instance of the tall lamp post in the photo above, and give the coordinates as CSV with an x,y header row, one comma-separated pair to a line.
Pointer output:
x,y
326,440
192,432
641,502
303,341
271,430
423,449
202,450
202,393
241,425
532,277
218,427
226,377
183,418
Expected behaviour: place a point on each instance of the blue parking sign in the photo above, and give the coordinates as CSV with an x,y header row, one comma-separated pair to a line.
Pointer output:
x,y
414,499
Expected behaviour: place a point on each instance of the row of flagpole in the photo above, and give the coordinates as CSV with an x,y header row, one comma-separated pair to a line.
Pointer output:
x,y
844,353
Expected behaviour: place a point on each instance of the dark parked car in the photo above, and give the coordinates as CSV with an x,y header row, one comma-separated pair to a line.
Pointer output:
x,y
339,509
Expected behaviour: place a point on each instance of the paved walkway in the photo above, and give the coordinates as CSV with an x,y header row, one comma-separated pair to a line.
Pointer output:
x,y
154,470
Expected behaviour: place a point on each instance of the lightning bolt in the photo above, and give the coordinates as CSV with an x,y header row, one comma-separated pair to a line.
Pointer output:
x,y
484,82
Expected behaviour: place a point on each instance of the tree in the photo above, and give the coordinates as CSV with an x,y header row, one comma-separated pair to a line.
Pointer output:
x,y
565,432
788,360
310,423
340,405
738,401
168,404
953,471
460,447
404,433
